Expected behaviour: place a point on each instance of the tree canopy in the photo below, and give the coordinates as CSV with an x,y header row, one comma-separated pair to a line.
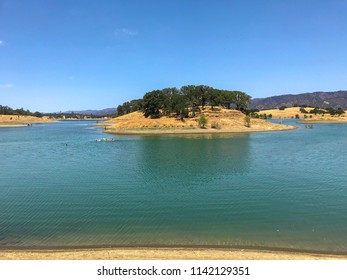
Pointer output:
x,y
157,103
6,110
129,107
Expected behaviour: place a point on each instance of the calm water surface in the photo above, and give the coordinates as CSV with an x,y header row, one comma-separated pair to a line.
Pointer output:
x,y
276,190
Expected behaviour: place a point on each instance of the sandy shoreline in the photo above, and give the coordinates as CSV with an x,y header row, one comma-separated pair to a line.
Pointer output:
x,y
154,131
150,253
219,120
13,125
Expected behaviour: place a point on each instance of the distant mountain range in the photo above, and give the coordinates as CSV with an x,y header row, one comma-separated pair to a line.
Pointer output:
x,y
335,99
103,112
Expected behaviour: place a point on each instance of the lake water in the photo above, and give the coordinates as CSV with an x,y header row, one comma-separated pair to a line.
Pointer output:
x,y
285,190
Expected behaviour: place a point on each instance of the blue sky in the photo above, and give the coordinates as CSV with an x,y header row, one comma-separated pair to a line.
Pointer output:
x,y
58,55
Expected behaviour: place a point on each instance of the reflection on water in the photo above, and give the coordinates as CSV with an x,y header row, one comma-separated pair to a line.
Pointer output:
x,y
184,161
195,136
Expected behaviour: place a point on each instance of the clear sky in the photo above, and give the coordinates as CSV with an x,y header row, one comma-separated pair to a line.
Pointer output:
x,y
58,55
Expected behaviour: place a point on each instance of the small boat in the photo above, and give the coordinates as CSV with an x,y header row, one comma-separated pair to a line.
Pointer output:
x,y
106,140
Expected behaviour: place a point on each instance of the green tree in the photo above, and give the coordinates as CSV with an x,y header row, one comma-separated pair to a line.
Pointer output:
x,y
248,121
167,94
203,94
192,96
227,98
38,114
303,110
214,97
153,102
129,107
202,121
241,100
179,105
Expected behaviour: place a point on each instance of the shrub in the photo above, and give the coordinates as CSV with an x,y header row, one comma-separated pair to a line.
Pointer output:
x,y
317,111
254,115
302,110
202,121
248,121
215,125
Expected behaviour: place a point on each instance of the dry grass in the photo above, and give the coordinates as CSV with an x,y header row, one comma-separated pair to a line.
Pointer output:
x,y
219,120
287,113
14,120
290,113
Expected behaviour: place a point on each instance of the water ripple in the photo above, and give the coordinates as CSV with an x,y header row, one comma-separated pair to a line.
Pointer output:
x,y
283,190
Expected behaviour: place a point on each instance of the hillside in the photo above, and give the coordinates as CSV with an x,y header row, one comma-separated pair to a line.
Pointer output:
x,y
219,120
15,120
287,113
336,99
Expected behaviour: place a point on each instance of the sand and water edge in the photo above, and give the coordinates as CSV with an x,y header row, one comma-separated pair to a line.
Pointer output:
x,y
165,253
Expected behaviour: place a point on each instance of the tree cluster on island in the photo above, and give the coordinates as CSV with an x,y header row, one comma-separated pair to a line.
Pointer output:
x,y
168,101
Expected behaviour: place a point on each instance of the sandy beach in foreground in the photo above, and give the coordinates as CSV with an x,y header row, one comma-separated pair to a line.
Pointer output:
x,y
162,254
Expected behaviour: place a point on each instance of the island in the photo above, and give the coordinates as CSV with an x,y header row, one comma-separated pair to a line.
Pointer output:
x,y
190,109
218,120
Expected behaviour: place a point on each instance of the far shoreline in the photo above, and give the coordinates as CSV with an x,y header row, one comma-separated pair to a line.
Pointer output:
x,y
322,121
3,125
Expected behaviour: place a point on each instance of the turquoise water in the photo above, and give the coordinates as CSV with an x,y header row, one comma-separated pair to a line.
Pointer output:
x,y
284,190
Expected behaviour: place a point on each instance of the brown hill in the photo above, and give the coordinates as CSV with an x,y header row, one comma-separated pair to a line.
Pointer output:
x,y
287,113
291,113
218,120
15,120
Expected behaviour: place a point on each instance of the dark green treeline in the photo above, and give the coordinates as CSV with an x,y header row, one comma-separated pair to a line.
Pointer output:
x,y
6,110
167,101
